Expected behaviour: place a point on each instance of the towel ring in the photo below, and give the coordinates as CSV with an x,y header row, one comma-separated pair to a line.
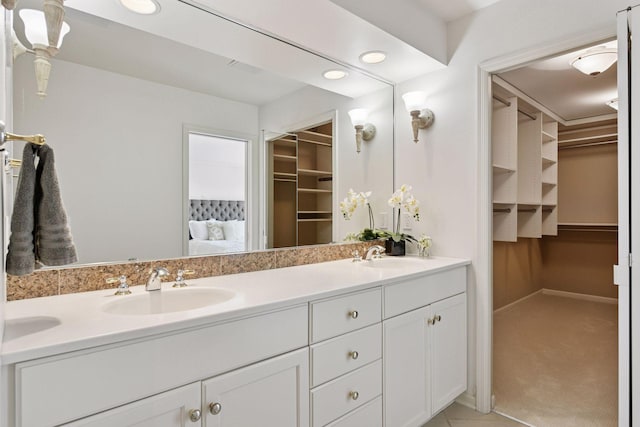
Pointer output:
x,y
6,136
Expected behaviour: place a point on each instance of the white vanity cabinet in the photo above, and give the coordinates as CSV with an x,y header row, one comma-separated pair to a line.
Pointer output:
x,y
425,350
273,390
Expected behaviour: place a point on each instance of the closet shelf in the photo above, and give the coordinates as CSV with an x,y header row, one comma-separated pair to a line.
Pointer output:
x,y
592,138
314,212
285,158
309,141
502,169
285,174
315,220
548,184
547,137
314,190
548,162
316,134
313,172
284,180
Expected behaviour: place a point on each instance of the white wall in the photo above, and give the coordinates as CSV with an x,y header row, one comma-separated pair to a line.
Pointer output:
x,y
118,145
217,168
443,166
370,170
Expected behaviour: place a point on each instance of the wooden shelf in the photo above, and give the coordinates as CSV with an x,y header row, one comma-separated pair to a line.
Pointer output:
x,y
549,184
285,174
502,169
284,142
547,137
314,212
314,190
308,141
315,220
317,134
284,180
312,172
285,158
548,162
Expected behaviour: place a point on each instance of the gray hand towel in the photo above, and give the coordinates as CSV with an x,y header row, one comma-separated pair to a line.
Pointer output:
x,y
54,244
21,253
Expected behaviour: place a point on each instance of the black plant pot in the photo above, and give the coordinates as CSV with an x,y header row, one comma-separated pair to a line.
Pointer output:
x,y
395,248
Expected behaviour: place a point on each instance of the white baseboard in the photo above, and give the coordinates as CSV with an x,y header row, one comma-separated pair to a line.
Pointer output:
x,y
467,399
517,301
575,295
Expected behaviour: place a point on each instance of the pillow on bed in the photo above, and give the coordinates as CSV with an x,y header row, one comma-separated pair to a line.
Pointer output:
x,y
234,230
215,230
198,230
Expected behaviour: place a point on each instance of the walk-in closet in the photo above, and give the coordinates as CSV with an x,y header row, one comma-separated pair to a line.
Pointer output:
x,y
554,155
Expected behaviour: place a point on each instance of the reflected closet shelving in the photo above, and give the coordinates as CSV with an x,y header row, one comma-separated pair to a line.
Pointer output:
x,y
302,165
525,169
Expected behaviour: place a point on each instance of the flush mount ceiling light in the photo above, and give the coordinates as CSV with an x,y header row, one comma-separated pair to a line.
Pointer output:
x,y
421,118
364,131
613,104
373,57
334,74
143,7
595,61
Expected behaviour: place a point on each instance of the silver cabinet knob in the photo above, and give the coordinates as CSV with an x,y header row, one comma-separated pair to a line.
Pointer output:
x,y
215,408
354,355
353,314
195,414
354,395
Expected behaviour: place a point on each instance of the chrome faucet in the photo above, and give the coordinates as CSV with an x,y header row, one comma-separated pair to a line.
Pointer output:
x,y
374,252
155,279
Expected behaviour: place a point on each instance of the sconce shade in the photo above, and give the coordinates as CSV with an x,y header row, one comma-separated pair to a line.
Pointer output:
x,y
359,116
595,61
35,28
414,101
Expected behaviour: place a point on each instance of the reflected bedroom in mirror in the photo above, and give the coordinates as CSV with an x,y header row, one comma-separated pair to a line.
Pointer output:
x,y
176,141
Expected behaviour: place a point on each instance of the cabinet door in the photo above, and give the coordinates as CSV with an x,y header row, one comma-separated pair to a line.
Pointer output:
x,y
406,394
270,393
170,409
448,350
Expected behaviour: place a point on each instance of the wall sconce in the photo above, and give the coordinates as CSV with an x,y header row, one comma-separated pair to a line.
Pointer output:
x,y
421,118
45,31
364,131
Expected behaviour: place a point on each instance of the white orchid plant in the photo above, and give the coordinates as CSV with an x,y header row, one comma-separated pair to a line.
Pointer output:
x,y
402,199
348,207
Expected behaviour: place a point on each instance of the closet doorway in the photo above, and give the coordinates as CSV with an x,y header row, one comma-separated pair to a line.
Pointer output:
x,y
555,321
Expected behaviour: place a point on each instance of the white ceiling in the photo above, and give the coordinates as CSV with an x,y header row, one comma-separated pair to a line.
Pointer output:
x,y
570,94
450,10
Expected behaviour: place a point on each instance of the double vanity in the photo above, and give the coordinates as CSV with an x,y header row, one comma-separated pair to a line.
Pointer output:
x,y
341,344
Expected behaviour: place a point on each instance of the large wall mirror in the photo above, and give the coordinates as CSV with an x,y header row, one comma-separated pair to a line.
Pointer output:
x,y
126,90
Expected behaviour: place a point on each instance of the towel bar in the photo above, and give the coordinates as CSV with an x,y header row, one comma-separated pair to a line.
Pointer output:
x,y
6,136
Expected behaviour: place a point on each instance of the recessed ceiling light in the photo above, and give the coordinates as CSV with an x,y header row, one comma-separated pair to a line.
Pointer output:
x,y
613,104
143,7
335,74
373,57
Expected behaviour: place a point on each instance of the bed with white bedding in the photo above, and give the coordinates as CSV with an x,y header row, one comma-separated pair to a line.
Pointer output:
x,y
216,226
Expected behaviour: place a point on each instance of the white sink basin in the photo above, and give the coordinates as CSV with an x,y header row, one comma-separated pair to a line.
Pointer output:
x,y
167,301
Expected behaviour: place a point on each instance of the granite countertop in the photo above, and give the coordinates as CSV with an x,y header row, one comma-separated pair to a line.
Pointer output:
x,y
41,327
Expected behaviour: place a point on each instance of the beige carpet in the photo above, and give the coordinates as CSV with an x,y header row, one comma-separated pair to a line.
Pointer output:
x,y
555,362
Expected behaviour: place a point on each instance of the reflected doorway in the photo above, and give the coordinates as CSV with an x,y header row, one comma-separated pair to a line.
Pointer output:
x,y
216,169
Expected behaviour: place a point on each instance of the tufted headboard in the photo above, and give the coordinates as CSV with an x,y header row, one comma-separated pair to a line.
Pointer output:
x,y
222,210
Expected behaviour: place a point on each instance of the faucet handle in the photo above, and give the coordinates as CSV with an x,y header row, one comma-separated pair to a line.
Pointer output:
x,y
356,256
123,287
180,283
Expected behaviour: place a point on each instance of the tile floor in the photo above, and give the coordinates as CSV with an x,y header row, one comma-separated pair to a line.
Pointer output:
x,y
458,415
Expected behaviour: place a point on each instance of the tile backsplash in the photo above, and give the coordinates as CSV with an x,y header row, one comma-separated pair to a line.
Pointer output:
x,y
48,282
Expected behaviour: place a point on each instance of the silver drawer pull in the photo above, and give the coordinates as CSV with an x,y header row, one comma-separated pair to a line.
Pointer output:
x,y
194,415
354,355
353,314
438,318
354,395
431,321
215,408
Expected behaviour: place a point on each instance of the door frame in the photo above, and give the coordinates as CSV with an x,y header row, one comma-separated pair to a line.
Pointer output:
x,y
484,249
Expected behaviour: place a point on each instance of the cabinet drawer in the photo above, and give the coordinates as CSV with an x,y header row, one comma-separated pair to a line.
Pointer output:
x,y
337,356
415,293
369,415
336,398
337,316
54,390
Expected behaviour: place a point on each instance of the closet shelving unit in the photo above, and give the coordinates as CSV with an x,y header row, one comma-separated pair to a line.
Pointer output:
x,y
525,171
302,205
